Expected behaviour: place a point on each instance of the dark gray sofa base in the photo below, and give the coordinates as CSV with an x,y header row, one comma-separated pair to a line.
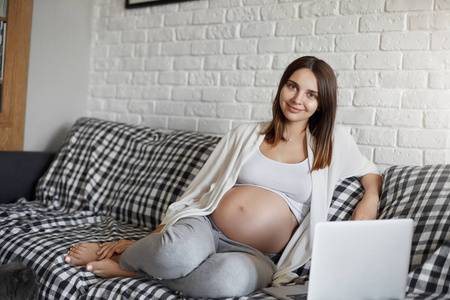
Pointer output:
x,y
20,171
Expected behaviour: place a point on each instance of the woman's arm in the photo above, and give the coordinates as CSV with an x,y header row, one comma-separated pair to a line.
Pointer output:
x,y
368,207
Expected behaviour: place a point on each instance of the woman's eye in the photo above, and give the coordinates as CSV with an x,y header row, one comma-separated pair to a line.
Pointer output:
x,y
292,86
312,95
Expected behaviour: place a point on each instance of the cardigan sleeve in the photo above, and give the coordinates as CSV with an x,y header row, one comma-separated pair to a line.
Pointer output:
x,y
217,174
204,180
349,159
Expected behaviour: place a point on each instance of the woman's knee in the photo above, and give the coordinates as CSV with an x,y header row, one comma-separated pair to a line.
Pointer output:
x,y
241,274
189,241
172,254
225,275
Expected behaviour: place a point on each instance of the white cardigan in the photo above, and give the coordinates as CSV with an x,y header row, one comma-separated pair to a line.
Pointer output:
x,y
221,170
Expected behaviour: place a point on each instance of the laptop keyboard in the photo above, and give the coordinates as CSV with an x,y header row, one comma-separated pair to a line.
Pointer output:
x,y
298,297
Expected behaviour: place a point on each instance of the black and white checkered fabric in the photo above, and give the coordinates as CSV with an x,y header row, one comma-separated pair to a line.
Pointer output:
x,y
114,181
127,172
423,194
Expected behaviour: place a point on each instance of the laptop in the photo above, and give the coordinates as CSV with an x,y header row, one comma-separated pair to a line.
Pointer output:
x,y
356,260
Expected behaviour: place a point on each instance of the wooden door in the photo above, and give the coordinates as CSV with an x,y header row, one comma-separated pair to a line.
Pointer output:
x,y
14,94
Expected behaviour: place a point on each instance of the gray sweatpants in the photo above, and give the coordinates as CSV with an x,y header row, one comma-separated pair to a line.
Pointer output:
x,y
195,258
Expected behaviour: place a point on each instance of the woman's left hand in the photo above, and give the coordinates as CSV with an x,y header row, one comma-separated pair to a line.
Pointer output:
x,y
367,209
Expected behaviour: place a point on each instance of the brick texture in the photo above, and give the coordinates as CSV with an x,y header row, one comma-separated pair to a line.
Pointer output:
x,y
210,65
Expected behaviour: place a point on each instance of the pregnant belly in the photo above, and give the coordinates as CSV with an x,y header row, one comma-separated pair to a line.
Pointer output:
x,y
256,217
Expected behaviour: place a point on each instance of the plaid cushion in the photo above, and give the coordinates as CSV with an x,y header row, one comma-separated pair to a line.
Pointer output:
x,y
432,279
346,196
130,173
420,193
423,194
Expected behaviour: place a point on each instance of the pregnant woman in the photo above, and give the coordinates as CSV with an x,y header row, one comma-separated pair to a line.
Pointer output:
x,y
247,219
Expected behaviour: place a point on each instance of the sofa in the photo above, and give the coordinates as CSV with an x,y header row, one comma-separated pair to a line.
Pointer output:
x,y
112,181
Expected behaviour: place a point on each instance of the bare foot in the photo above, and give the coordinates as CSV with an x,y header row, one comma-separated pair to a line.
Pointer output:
x,y
108,268
82,253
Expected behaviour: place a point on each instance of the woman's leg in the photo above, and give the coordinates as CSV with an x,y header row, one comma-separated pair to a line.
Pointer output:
x,y
230,274
85,254
108,268
234,270
174,253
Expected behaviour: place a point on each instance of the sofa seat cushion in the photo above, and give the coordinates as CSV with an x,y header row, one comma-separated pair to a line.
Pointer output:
x,y
42,238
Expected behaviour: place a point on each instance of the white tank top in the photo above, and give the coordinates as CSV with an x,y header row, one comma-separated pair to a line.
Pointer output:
x,y
291,181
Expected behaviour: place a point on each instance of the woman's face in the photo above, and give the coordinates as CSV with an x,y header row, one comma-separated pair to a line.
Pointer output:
x,y
299,97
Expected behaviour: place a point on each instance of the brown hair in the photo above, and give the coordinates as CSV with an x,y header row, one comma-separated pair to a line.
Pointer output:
x,y
321,123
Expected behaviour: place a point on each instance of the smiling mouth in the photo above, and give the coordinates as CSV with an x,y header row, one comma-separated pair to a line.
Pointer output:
x,y
294,110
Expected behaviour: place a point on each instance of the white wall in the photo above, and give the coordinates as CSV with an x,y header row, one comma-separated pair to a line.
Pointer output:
x,y
207,65
58,72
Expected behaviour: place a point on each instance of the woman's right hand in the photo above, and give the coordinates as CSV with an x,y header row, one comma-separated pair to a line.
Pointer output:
x,y
107,250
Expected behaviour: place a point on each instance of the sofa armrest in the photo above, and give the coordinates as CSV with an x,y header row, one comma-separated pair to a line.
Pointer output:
x,y
20,172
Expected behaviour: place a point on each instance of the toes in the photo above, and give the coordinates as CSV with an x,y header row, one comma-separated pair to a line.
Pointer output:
x,y
78,247
94,268
81,254
73,253
71,260
82,245
89,267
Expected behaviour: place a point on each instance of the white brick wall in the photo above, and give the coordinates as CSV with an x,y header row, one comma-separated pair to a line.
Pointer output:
x,y
208,65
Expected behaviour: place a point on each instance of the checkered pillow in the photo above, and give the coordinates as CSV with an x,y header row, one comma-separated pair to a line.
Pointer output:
x,y
420,193
346,196
423,194
130,173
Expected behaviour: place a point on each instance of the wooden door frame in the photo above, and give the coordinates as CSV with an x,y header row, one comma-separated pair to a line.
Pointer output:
x,y
17,52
